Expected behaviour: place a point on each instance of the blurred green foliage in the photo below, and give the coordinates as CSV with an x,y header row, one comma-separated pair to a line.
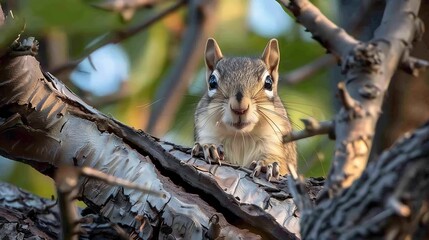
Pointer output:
x,y
153,51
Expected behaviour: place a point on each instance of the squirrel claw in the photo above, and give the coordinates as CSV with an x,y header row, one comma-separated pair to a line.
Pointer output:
x,y
196,150
269,173
252,165
257,169
221,152
211,152
271,170
276,170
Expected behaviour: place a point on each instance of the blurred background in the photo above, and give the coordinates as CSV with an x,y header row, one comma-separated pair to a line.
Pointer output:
x,y
141,62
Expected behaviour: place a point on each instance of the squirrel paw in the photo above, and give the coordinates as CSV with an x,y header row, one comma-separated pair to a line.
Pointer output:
x,y
211,152
271,170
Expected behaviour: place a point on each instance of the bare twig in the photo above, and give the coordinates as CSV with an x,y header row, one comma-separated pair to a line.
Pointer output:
x,y
118,36
126,8
111,180
308,70
348,102
121,5
299,192
414,66
66,179
311,128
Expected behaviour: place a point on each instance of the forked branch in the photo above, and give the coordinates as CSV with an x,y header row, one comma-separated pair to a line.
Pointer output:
x,y
368,68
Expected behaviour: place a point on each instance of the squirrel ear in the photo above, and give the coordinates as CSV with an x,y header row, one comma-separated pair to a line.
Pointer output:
x,y
271,55
213,53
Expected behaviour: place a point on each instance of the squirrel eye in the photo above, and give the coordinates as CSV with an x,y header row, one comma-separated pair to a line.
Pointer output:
x,y
268,85
212,82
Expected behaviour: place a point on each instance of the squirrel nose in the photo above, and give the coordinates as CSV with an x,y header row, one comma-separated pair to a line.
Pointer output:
x,y
239,111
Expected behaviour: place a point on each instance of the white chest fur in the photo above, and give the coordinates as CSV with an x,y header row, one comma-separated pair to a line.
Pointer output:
x,y
242,149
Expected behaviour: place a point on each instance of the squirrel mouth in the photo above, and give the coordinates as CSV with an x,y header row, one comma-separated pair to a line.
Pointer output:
x,y
240,125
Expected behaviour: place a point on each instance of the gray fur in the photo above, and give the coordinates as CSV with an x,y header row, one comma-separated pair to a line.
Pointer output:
x,y
244,74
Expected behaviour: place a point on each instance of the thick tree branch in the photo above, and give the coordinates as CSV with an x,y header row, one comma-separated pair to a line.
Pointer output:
x,y
67,178
50,127
25,215
389,201
42,123
368,68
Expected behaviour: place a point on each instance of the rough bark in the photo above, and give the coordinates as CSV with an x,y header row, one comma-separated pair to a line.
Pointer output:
x,y
389,201
23,215
370,204
26,216
368,68
407,96
43,124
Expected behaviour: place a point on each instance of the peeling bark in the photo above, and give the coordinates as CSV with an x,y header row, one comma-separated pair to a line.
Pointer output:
x,y
43,124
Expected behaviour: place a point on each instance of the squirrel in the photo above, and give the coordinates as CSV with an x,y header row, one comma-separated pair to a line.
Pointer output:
x,y
241,119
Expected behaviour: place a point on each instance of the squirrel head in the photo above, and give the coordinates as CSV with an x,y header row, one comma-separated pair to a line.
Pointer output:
x,y
242,89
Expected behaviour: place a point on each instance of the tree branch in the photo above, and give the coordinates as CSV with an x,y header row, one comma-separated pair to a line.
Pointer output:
x,y
311,128
387,202
25,215
118,36
358,20
66,181
332,37
59,128
414,66
368,68
120,6
307,70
